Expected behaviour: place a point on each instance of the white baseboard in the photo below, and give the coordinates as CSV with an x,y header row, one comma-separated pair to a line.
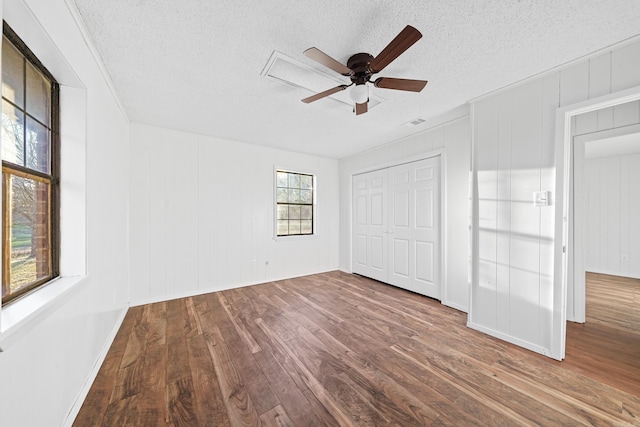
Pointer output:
x,y
82,395
217,288
513,340
455,306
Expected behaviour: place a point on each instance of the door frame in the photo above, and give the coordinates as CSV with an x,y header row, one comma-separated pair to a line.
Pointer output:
x,y
563,246
439,152
577,210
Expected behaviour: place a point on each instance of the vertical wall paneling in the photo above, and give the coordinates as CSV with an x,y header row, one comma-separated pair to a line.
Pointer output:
x,y
139,213
504,209
626,215
625,73
528,292
208,174
574,84
456,198
209,215
607,204
158,217
525,218
625,67
633,196
550,103
487,128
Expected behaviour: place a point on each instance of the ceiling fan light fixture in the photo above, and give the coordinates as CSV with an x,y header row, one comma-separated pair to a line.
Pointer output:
x,y
359,93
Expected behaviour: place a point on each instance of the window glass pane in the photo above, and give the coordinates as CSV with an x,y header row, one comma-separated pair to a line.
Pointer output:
x,y
294,195
282,179
12,74
294,211
30,235
294,226
306,212
294,180
37,146
282,195
306,227
283,211
306,181
283,227
306,196
12,134
38,95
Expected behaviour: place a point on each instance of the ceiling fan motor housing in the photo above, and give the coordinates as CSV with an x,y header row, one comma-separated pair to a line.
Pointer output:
x,y
360,66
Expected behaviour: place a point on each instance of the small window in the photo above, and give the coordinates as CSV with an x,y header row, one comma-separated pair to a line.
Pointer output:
x,y
29,170
294,203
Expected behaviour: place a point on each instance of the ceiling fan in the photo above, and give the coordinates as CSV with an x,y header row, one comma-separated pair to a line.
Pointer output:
x,y
361,66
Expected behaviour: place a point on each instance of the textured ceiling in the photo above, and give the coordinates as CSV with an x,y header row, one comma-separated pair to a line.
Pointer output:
x,y
195,65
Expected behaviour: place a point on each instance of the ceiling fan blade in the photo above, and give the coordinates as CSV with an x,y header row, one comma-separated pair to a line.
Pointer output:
x,y
324,59
324,94
362,108
400,84
402,42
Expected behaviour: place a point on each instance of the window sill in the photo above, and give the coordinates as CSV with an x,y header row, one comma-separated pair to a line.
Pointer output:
x,y
21,316
295,237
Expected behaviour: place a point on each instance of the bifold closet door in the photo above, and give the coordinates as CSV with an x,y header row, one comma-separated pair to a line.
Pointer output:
x,y
414,226
370,225
396,226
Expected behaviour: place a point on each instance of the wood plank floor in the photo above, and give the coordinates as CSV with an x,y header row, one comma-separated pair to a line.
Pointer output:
x,y
337,349
607,346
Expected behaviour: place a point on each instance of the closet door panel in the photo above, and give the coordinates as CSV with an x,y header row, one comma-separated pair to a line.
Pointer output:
x,y
370,250
396,226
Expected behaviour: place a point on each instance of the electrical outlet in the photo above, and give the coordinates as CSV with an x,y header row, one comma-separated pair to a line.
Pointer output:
x,y
254,263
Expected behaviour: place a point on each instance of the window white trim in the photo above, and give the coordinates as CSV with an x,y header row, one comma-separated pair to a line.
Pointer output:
x,y
275,205
17,318
21,316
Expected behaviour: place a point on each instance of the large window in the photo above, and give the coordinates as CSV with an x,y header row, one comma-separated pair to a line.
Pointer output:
x,y
294,203
29,170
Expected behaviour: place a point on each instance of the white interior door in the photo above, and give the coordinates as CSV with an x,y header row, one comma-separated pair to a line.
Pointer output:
x,y
396,226
370,225
414,226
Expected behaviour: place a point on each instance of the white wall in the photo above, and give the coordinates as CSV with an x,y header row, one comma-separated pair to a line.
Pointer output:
x,y
45,369
202,210
514,142
612,205
455,139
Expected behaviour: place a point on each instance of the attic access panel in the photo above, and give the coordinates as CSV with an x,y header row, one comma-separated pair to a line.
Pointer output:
x,y
289,71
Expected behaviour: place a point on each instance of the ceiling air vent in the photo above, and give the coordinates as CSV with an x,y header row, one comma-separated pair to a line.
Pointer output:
x,y
289,71
414,122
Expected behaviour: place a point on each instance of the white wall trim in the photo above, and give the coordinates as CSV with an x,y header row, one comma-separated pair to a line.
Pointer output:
x,y
509,338
84,391
563,221
178,295
21,316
